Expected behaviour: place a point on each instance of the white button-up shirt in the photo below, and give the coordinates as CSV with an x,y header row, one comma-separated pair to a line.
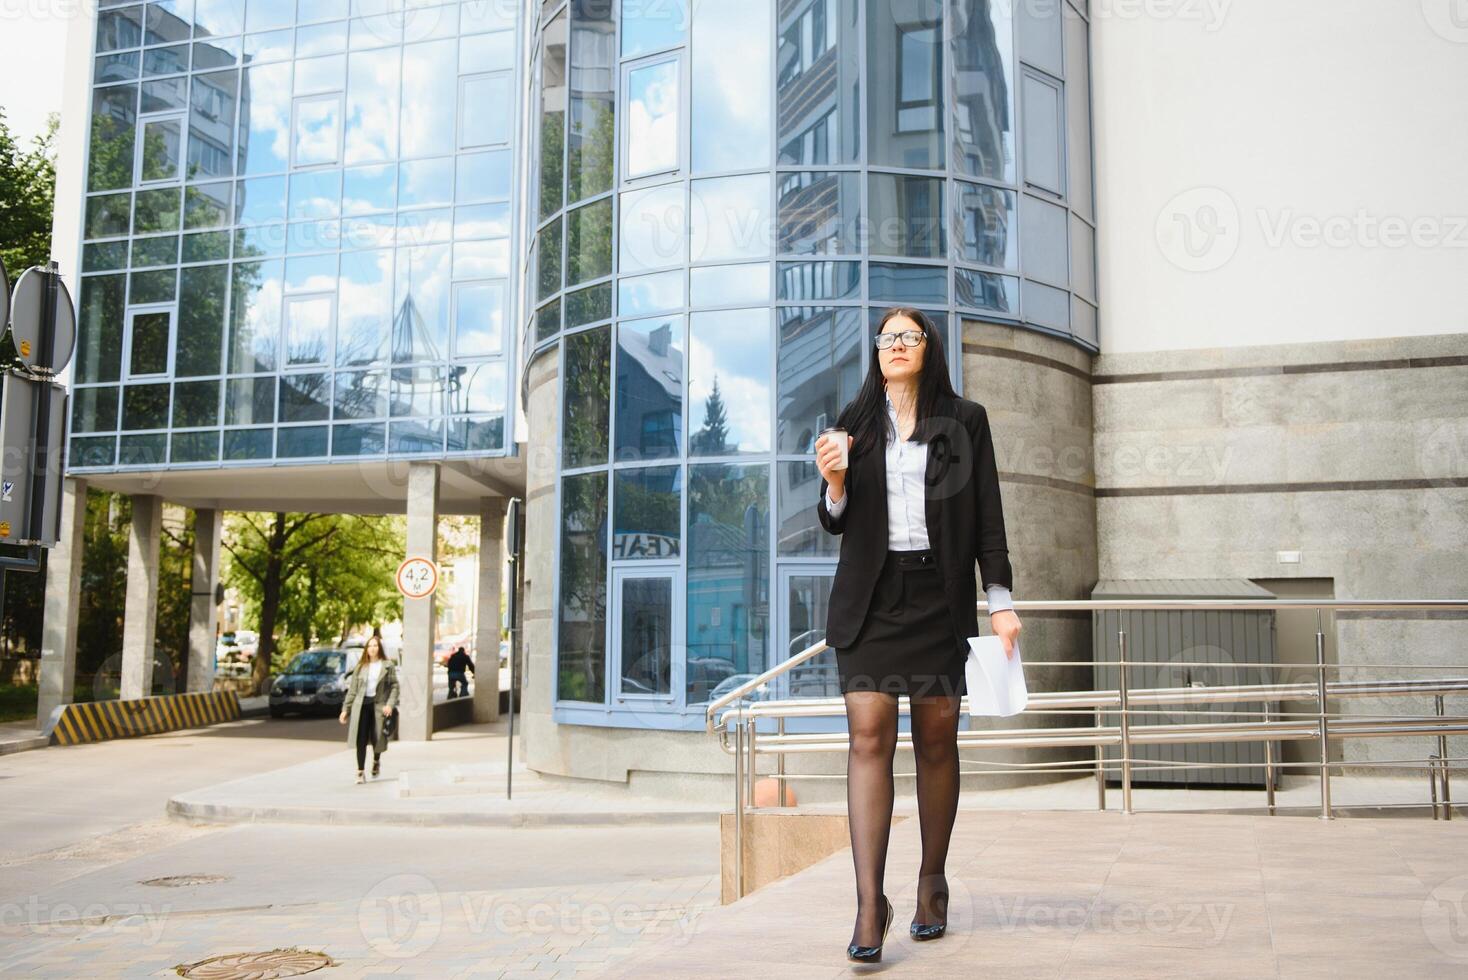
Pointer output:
x,y
907,521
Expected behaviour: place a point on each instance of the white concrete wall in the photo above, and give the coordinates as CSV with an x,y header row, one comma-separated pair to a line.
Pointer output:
x,y
1276,171
71,151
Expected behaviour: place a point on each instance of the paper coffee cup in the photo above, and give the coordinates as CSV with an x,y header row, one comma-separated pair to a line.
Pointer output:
x,y
839,435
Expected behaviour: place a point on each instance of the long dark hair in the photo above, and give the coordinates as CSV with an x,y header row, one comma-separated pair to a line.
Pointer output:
x,y
865,417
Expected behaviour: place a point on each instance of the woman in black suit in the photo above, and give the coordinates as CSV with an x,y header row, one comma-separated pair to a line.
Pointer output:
x,y
917,507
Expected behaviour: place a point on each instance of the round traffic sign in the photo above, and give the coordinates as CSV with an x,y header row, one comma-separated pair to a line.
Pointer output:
x,y
26,306
4,298
417,578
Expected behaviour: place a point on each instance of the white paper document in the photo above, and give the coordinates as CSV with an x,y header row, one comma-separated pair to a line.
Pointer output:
x,y
996,683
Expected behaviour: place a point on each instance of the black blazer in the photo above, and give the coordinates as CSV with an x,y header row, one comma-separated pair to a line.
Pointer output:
x,y
965,522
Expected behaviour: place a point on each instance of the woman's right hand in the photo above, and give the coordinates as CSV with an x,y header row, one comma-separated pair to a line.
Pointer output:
x,y
342,717
828,454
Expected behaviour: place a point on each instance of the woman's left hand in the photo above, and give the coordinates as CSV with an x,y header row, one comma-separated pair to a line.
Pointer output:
x,y
387,712
1006,625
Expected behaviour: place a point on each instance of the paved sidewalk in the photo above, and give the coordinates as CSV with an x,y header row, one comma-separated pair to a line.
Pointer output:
x,y
20,736
1050,894
456,779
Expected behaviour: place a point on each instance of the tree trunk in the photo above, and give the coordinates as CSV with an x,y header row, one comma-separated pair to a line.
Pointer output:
x,y
269,601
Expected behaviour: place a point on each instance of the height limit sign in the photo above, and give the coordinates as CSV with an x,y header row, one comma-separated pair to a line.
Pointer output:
x,y
417,578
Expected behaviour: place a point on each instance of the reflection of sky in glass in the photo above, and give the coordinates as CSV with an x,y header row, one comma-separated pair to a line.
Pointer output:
x,y
430,86
485,110
368,189
425,182
421,305
483,177
650,294
479,388
652,118
731,79
482,260
652,230
315,194
372,107
730,218
732,347
318,129
479,318
364,306
255,316
266,119
649,25
729,285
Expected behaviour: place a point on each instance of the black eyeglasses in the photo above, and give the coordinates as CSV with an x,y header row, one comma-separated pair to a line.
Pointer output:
x,y
910,338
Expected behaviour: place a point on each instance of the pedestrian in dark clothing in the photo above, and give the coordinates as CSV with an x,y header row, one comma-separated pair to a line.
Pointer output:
x,y
458,663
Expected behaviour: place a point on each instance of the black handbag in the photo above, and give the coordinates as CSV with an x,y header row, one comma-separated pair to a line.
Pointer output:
x,y
390,724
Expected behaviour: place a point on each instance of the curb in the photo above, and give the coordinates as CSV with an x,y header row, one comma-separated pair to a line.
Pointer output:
x,y
13,745
228,813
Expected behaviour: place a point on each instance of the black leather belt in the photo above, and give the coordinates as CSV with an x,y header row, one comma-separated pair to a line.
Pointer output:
x,y
912,559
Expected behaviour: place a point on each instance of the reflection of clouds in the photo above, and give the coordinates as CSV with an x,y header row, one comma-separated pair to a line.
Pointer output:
x,y
652,228
317,127
730,218
648,294
423,275
731,85
735,345
429,96
482,260
482,221
267,143
425,182
652,111
364,306
372,106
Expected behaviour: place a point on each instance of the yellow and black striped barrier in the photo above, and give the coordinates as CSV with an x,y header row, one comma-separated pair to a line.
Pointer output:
x,y
97,721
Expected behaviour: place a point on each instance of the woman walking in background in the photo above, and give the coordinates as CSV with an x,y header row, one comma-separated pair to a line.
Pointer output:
x,y
372,694
917,505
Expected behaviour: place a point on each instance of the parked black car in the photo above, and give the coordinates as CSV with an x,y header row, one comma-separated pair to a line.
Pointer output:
x,y
313,684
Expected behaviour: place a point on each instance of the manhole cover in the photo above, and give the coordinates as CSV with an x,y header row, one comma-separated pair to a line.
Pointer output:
x,y
256,966
180,881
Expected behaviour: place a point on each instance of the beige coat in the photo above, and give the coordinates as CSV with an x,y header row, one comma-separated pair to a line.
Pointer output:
x,y
386,696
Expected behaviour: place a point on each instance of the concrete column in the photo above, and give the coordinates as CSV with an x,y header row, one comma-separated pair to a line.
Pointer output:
x,y
62,603
487,610
415,707
203,612
140,609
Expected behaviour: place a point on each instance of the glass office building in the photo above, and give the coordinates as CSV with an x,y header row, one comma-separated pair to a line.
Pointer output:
x,y
297,234
722,198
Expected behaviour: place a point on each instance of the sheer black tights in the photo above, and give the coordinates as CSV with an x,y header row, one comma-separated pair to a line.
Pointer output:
x,y
872,722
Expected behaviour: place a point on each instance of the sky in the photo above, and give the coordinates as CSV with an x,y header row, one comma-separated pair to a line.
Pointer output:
x,y
32,47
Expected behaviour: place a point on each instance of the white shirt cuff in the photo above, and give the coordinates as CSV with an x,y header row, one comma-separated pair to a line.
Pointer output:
x,y
835,508
999,598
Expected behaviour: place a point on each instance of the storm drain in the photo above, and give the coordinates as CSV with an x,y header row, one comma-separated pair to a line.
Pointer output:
x,y
181,881
256,966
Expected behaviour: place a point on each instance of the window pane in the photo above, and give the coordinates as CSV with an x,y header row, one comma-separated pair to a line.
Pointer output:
x,y
817,85
420,392
807,281
729,218
483,177
249,443
484,110
200,340
479,318
477,388
646,648
592,133
797,487
1043,234
316,194
819,213
148,348
94,409
317,130
430,84
983,69
144,450
581,637
145,406
986,291
653,26
906,216
361,395
195,403
308,328
730,78
255,315
152,287
808,601
820,370
648,509
372,106
729,285
1042,134
114,124
305,397
586,397
553,116
108,215
358,440
984,223
641,295
910,284
207,205
212,124
249,401
264,118
301,442
652,119
649,388
652,229
589,242
156,210
905,82
728,573
548,276
1078,112
589,305
99,328
162,139
420,325
729,382
365,308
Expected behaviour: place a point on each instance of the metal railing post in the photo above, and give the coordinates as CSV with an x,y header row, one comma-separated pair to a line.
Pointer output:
x,y
751,770
1432,769
1442,754
1324,722
739,809
1100,766
782,799
1126,735
1268,766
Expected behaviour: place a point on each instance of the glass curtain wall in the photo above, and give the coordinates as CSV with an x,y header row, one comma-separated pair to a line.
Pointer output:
x,y
297,233
726,198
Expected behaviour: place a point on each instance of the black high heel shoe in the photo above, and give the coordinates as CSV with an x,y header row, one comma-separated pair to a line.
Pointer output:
x,y
871,954
922,931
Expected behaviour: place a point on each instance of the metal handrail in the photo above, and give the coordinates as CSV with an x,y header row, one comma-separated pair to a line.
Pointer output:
x,y
1124,701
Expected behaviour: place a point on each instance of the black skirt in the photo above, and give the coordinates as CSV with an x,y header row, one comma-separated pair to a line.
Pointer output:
x,y
906,644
